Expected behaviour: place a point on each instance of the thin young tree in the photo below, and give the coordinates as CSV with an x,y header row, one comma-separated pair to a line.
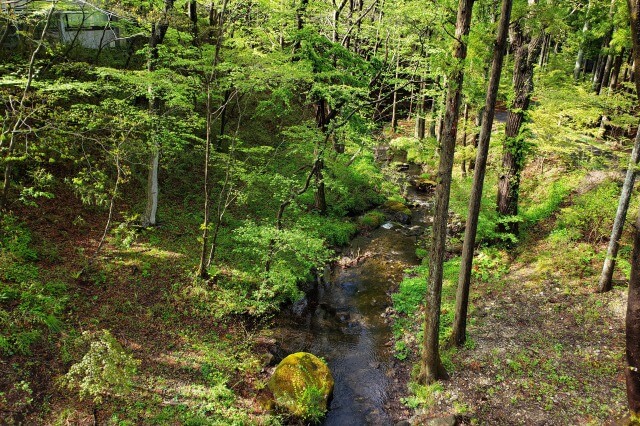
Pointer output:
x,y
464,280
577,69
431,365
211,79
158,31
605,282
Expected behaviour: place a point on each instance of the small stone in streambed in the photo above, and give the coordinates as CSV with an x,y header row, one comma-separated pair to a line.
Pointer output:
x,y
343,316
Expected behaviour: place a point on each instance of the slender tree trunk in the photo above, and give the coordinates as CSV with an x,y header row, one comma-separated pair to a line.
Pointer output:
x,y
633,300
465,119
420,113
633,329
5,31
477,124
430,126
604,59
459,334
104,32
202,267
615,71
158,32
193,18
604,82
320,196
577,69
300,12
394,108
431,366
545,50
580,58
212,78
621,214
525,50
597,71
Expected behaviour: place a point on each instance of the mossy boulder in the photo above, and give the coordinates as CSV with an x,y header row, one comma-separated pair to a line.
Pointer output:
x,y
302,384
423,184
398,211
372,219
397,207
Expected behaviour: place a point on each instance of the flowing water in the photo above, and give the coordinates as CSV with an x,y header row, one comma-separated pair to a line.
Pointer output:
x,y
345,321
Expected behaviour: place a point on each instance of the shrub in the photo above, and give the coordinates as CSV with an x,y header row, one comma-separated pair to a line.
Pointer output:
x,y
592,213
105,369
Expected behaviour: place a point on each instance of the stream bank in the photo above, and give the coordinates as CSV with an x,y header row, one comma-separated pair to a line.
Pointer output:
x,y
346,320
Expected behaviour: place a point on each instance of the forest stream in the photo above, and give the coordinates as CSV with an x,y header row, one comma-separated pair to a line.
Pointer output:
x,y
345,318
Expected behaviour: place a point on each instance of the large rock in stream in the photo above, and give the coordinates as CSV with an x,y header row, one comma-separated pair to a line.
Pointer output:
x,y
302,384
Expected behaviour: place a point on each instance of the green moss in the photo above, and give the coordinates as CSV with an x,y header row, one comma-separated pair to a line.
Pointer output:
x,y
302,384
372,219
396,206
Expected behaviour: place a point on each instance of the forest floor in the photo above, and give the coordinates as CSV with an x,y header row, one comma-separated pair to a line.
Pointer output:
x,y
544,349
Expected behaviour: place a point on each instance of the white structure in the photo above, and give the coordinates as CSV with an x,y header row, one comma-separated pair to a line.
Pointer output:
x,y
75,21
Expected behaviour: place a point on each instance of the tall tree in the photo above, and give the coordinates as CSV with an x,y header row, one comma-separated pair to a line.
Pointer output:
x,y
604,284
633,300
464,280
577,69
525,47
431,365
158,32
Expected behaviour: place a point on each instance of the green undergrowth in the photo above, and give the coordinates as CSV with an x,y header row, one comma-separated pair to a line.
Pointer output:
x,y
31,306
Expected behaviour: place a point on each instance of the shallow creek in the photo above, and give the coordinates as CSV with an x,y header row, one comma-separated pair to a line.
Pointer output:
x,y
344,319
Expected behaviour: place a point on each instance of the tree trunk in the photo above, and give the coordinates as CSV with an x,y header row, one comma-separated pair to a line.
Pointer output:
x,y
202,267
597,71
459,336
477,124
320,196
633,329
394,107
431,366
210,140
604,82
104,32
604,61
420,113
465,119
193,18
580,58
545,50
615,71
158,31
633,301
525,50
300,12
621,214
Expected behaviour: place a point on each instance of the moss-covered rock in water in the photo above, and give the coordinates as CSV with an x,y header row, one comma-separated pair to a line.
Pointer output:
x,y
397,207
302,384
398,211
423,184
